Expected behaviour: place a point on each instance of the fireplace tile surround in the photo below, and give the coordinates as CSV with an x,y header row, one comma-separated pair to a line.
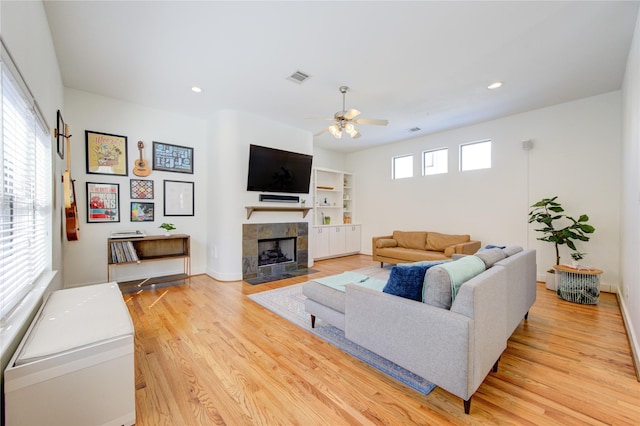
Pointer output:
x,y
252,232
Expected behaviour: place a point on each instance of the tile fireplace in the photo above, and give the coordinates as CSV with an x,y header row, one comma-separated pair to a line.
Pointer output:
x,y
274,248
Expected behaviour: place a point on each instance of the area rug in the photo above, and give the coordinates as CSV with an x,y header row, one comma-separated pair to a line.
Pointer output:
x,y
288,302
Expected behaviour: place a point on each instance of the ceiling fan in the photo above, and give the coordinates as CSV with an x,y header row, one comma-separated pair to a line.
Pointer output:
x,y
346,120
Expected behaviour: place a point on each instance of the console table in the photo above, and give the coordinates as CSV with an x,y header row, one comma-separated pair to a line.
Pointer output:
x,y
579,285
123,251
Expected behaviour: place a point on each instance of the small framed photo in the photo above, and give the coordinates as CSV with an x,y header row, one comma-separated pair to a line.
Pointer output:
x,y
178,198
60,135
103,202
142,189
106,154
172,158
142,212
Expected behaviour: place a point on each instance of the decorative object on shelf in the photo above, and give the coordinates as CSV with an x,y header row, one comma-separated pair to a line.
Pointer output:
x,y
172,158
142,166
141,189
142,212
103,202
106,153
178,198
549,214
327,220
303,202
167,228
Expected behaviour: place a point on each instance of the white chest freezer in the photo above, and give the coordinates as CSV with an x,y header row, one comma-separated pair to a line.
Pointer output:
x,y
75,364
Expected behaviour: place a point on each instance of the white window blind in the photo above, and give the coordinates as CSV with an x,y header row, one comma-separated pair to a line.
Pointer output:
x,y
26,192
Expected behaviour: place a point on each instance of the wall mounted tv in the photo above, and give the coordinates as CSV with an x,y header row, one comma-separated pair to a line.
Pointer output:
x,y
275,170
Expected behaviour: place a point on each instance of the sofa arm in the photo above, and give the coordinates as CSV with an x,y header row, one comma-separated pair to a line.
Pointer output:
x,y
374,242
433,343
470,247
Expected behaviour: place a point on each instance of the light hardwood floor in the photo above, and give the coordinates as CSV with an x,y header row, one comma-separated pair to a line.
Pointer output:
x,y
206,354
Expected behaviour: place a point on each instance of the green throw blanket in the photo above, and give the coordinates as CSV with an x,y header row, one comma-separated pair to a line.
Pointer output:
x,y
461,271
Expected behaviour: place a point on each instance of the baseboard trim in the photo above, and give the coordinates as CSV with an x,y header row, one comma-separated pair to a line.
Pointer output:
x,y
631,335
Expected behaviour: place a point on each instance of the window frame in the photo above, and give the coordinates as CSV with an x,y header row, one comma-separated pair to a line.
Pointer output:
x,y
434,163
468,144
393,166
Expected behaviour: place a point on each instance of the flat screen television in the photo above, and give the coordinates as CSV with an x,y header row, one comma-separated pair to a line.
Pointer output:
x,y
275,170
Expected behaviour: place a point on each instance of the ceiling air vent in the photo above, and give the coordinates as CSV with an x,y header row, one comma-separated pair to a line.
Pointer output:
x,y
415,129
298,77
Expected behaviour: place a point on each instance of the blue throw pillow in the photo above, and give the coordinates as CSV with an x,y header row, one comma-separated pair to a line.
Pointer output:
x,y
406,282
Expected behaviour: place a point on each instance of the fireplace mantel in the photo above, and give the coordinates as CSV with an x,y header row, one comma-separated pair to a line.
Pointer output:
x,y
251,209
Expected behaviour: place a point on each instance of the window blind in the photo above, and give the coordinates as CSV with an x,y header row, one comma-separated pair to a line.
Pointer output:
x,y
25,206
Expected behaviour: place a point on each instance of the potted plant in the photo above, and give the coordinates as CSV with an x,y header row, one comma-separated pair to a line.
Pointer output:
x,y
577,257
559,229
167,227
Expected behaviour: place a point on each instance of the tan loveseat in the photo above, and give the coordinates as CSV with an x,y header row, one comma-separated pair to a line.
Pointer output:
x,y
403,246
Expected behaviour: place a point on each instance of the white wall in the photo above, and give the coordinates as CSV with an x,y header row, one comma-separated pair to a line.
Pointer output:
x,y
630,210
230,134
86,260
575,156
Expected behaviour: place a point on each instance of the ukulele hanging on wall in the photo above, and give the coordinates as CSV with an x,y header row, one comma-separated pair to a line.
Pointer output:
x,y
70,208
142,167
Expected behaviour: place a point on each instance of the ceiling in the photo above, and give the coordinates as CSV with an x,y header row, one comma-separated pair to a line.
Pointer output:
x,y
417,64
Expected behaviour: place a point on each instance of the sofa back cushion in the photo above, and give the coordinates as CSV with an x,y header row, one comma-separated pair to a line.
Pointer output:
x,y
411,240
491,256
438,242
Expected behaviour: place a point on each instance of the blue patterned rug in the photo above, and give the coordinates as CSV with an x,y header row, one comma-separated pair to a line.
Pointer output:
x,y
288,302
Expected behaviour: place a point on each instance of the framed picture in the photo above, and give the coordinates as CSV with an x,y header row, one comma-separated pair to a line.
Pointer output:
x,y
103,202
172,158
60,134
178,198
141,212
142,189
106,154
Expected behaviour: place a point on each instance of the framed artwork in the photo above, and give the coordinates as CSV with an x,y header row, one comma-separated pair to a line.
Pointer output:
x,y
106,154
142,212
60,135
142,189
172,158
103,202
178,198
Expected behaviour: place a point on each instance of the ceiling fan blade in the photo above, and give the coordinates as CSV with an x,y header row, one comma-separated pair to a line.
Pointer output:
x,y
351,114
320,118
373,121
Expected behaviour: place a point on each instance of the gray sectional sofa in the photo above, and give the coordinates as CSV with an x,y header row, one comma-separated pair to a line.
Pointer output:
x,y
453,348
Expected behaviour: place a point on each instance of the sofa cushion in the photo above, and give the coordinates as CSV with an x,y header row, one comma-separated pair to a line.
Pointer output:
x,y
386,242
511,250
438,242
491,256
410,255
406,282
411,240
427,263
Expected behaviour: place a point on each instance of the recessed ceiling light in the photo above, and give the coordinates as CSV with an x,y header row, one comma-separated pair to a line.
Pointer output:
x,y
494,85
196,89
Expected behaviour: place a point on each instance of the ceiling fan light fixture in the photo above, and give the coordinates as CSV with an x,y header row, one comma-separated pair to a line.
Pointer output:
x,y
351,130
335,131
